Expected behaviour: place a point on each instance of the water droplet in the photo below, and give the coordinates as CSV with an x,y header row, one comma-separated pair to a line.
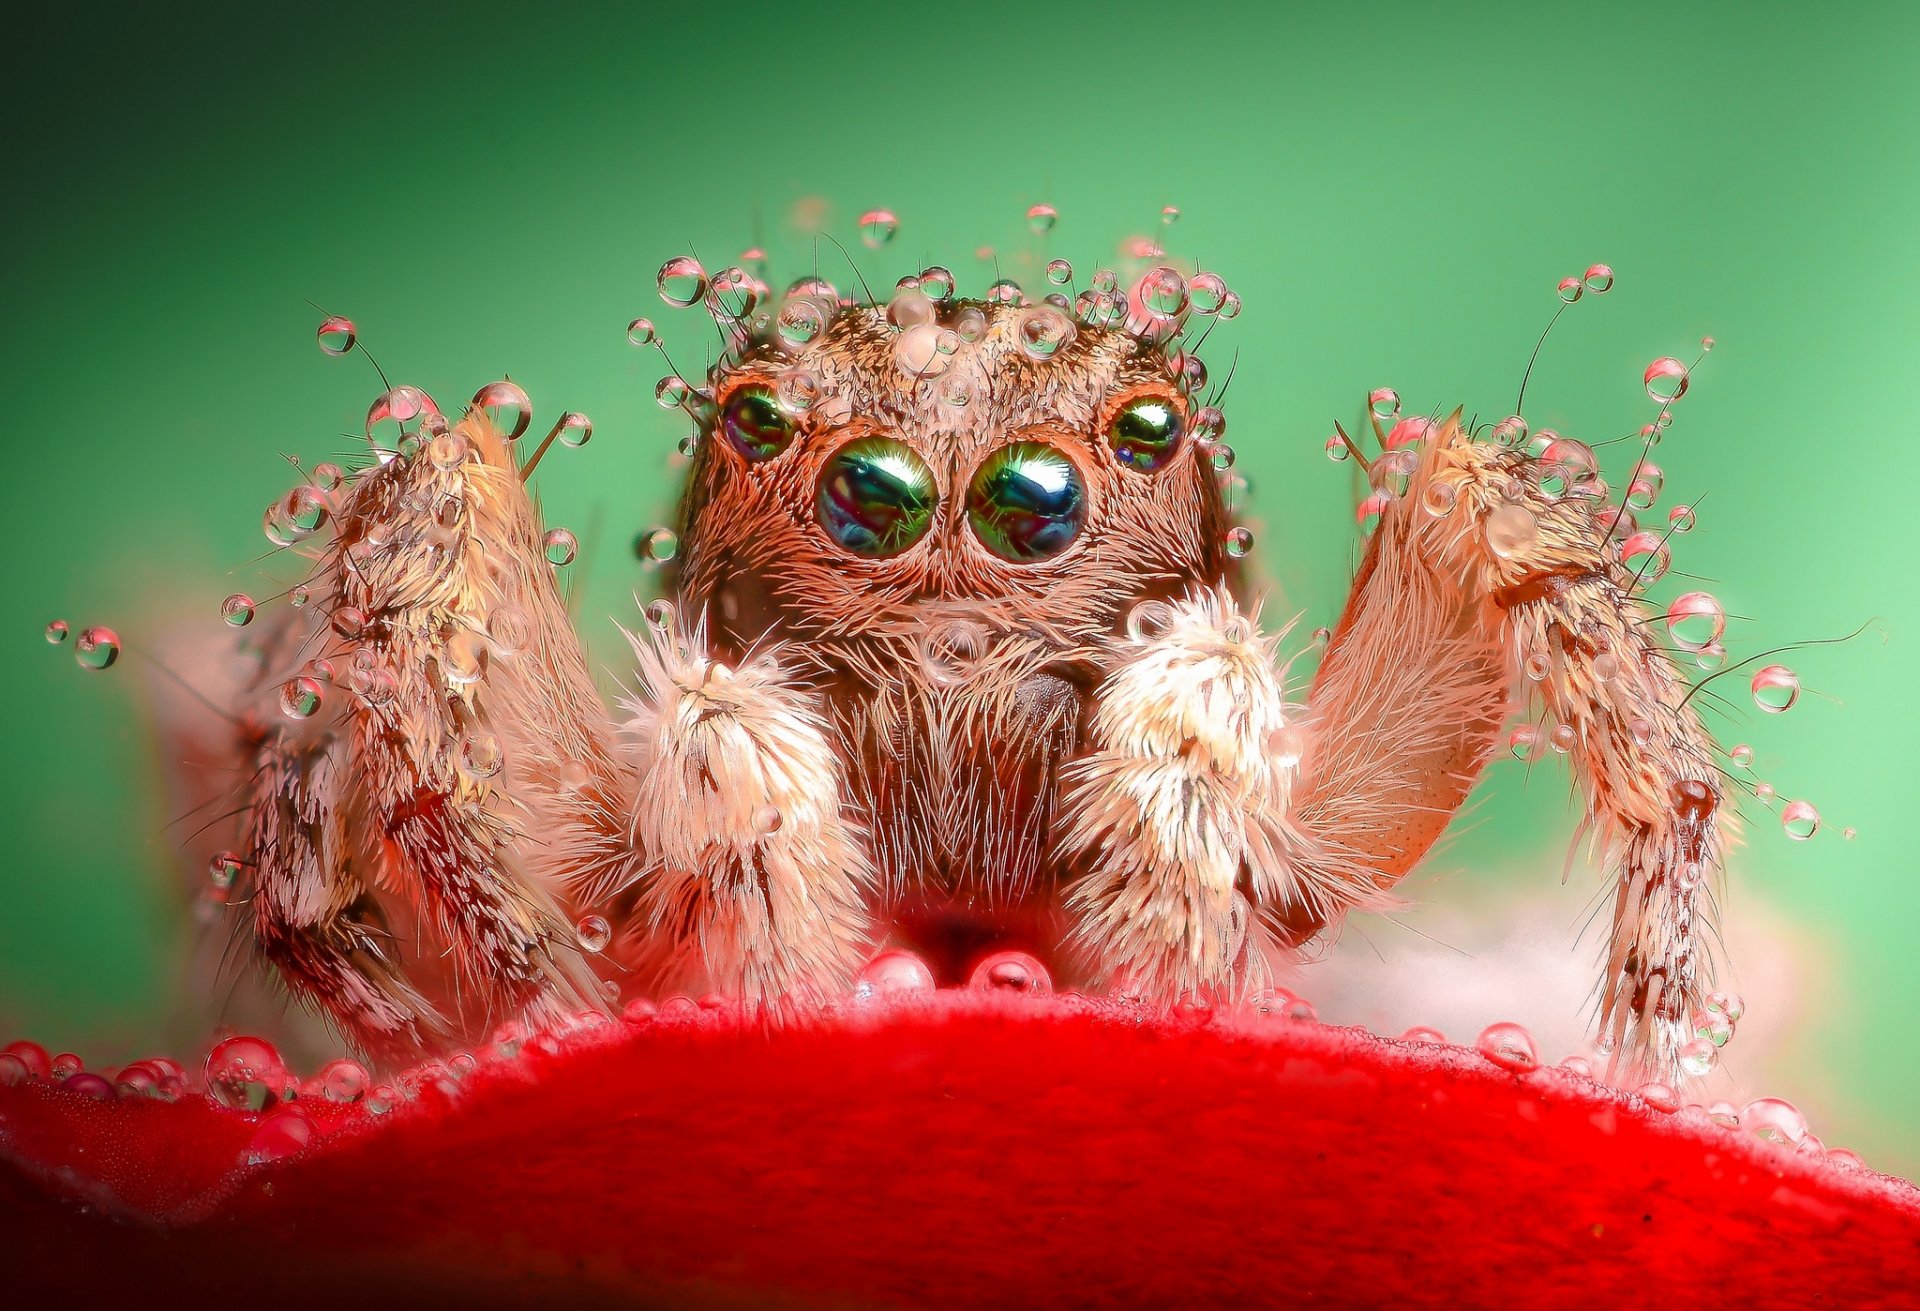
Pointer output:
x,y
509,628
1524,742
1336,449
801,321
1163,292
506,404
395,419
877,228
1511,432
641,332
1661,1097
1439,498
1849,833
671,392
349,621
560,546
1598,278
1508,1046
1011,971
1570,288
1666,380
1646,555
1680,519
97,648
246,1073
1041,219
1043,330
281,1135
1422,1033
937,281
893,972
1562,738
682,281
1695,620
1799,819
344,1081
660,615
57,631
223,869
797,390
767,820
1510,530
1775,688
659,545
1697,1056
1059,272
481,755
594,933
573,429
301,697
1775,1120
1239,541
1384,403
336,334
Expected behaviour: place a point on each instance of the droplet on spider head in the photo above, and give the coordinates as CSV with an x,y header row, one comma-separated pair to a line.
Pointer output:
x,y
302,696
282,1135
509,629
1666,380
1799,819
1696,1057
1598,278
1043,330
731,295
349,621
801,321
937,282
893,973
1570,288
1695,620
1775,688
1508,1046
659,545
465,659
447,451
1511,529
560,546
1011,972
481,755
1163,292
327,477
1239,541
593,932
97,648
246,1073
1510,432
682,281
1423,1034
878,227
1439,498
394,420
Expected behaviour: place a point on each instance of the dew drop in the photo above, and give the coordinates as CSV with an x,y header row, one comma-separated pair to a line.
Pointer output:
x,y
1511,432
1646,555
246,1073
97,648
343,1081
1775,688
506,404
801,321
878,227
1661,1097
1011,971
1423,1033
1697,1056
560,546
641,332
223,869
893,973
767,820
1680,519
1773,1119
937,282
281,1135
593,932
1043,330
301,697
1695,620
335,334
1598,278
1570,289
1666,380
1041,219
1239,541
1336,449
57,631
659,545
671,392
1800,820
1510,530
1439,498
481,755
1508,1046
1059,272
1524,742
573,429
682,281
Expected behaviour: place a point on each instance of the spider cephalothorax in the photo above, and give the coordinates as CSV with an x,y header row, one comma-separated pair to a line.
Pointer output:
x,y
954,652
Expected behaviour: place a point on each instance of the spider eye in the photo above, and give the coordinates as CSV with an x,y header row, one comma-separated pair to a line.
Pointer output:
x,y
1026,502
754,423
1146,433
876,497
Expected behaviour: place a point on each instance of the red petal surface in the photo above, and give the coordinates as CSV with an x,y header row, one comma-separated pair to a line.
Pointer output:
x,y
961,1151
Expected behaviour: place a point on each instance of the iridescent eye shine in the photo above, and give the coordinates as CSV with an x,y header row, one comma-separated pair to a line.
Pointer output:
x,y
1026,502
876,497
1146,433
754,423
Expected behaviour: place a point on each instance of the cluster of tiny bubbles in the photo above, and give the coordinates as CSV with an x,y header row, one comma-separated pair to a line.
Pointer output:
x,y
593,932
560,546
1509,1046
1011,971
878,227
336,334
96,648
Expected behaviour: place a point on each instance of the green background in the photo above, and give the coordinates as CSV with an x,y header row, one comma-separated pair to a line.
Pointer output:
x,y
1394,189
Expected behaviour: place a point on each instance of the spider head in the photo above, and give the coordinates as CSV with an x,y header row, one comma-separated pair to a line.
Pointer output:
x,y
864,467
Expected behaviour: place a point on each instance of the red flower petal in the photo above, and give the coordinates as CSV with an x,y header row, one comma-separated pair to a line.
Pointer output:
x,y
965,1151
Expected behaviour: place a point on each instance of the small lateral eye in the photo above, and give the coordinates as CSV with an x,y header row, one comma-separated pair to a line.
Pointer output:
x,y
1146,433
754,424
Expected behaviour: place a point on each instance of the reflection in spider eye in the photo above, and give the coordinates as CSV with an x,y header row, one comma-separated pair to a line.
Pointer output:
x,y
754,424
1146,433
876,497
1026,502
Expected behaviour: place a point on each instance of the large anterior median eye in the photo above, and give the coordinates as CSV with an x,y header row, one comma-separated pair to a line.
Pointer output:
x,y
876,497
1026,502
753,423
1146,433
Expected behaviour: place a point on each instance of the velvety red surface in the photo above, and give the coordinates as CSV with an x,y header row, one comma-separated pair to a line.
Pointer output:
x,y
960,1151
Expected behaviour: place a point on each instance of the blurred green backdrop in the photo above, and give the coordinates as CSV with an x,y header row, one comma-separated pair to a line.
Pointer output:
x,y
1393,188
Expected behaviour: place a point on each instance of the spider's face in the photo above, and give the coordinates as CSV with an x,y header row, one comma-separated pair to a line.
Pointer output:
x,y
926,458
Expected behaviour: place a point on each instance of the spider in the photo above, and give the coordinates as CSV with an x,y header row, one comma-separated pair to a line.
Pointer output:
x,y
956,650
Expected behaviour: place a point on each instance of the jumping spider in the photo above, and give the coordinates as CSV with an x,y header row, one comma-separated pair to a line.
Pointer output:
x,y
956,650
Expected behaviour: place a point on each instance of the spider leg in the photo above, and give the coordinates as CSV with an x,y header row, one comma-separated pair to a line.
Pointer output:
x,y
1494,570
758,884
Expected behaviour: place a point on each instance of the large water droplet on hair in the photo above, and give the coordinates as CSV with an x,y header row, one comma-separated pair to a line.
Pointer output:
x,y
682,281
1695,620
594,933
336,334
1666,380
1800,820
1775,688
560,546
878,227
